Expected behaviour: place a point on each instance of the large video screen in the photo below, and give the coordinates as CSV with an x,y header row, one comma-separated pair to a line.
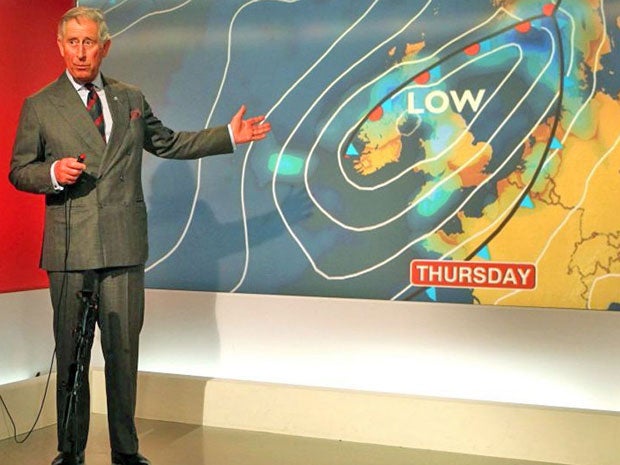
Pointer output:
x,y
421,150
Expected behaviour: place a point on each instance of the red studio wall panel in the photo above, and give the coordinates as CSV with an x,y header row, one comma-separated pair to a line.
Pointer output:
x,y
29,60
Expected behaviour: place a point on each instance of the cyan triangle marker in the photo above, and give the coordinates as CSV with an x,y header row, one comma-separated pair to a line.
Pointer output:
x,y
431,292
484,253
527,202
556,144
351,150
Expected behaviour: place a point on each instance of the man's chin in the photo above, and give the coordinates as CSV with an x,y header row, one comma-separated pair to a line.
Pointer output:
x,y
82,76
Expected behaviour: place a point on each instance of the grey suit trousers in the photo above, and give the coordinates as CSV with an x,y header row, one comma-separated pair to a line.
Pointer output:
x,y
119,317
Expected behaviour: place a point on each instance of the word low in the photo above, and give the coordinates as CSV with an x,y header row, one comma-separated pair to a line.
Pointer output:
x,y
439,273
439,101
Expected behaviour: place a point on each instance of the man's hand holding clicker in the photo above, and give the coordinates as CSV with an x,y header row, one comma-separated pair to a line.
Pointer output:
x,y
67,170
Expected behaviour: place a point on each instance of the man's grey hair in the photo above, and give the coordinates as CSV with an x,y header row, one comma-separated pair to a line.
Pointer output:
x,y
93,14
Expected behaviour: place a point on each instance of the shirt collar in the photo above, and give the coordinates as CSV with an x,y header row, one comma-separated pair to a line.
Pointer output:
x,y
98,81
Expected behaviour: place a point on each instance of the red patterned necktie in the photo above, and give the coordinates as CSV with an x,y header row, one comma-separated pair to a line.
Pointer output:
x,y
93,105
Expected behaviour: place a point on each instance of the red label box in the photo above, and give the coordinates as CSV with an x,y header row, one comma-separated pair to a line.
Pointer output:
x,y
451,273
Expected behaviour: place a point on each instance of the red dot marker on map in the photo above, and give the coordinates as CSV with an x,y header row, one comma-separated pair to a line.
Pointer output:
x,y
473,49
524,27
422,78
376,114
548,9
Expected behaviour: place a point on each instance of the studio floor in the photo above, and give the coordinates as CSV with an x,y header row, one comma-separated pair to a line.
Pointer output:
x,y
166,443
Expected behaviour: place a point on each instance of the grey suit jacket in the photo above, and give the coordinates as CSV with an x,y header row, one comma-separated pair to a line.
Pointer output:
x,y
100,221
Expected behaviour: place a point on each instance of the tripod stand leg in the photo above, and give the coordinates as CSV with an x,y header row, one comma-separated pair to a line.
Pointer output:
x,y
78,379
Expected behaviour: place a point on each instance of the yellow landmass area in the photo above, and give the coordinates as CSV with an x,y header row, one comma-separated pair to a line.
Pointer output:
x,y
414,48
600,212
526,238
463,155
523,236
387,152
593,260
588,259
387,143
604,291
476,230
575,241
469,159
576,160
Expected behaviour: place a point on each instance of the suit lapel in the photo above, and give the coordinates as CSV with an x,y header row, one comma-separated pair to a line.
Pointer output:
x,y
73,111
119,109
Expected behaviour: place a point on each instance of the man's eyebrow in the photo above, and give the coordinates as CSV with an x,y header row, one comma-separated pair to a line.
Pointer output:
x,y
78,38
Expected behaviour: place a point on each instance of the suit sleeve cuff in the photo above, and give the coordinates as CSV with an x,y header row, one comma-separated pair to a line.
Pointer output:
x,y
232,138
57,187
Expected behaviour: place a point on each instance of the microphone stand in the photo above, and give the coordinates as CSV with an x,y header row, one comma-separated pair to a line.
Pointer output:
x,y
85,334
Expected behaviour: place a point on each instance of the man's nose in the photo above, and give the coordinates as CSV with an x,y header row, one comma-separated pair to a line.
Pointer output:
x,y
81,51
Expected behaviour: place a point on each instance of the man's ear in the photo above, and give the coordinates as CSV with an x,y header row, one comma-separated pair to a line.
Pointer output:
x,y
106,48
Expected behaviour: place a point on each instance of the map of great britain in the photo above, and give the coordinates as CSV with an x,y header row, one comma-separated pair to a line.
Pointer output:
x,y
480,135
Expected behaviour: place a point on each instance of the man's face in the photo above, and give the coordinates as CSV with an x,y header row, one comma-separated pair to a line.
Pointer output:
x,y
81,49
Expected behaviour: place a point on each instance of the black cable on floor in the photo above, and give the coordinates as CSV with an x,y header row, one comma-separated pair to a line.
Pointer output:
x,y
6,408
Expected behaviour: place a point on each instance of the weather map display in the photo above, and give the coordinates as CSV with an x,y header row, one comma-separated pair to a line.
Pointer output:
x,y
421,150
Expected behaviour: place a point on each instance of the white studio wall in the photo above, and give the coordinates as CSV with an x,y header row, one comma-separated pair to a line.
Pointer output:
x,y
554,358
26,337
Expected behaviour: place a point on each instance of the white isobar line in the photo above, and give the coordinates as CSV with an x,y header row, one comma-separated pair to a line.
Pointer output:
x,y
114,7
412,63
596,281
443,152
222,82
318,100
572,40
276,105
142,18
380,76
285,145
406,170
566,135
199,162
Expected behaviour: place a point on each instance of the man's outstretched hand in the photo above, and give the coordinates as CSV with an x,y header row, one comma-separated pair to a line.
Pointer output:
x,y
248,130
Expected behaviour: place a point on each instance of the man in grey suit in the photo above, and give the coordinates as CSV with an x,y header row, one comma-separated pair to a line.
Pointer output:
x,y
95,216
